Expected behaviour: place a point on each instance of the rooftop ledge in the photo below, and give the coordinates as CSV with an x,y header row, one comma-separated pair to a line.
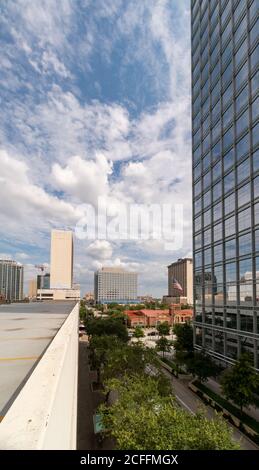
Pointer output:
x,y
44,414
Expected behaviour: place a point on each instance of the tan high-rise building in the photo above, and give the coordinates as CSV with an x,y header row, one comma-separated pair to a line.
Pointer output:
x,y
32,288
181,272
61,259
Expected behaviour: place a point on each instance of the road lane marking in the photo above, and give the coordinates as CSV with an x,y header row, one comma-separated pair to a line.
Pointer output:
x,y
184,404
28,358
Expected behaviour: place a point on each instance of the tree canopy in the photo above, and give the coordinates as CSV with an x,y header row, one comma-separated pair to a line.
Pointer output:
x,y
202,366
130,359
139,333
82,311
184,338
163,345
163,329
107,326
112,357
142,419
240,382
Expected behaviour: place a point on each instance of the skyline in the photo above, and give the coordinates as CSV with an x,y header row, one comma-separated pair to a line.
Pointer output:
x,y
129,234
87,113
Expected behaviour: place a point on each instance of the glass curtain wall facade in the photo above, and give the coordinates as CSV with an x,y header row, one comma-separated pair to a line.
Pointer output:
x,y
225,126
11,280
43,281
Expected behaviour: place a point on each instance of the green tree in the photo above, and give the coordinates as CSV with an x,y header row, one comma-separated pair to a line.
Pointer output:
x,y
136,307
163,345
99,347
112,357
185,306
82,310
139,333
116,306
143,419
107,326
184,338
131,359
128,359
100,307
202,366
240,382
163,329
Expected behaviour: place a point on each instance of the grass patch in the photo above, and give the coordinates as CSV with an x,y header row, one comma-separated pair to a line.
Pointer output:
x,y
244,418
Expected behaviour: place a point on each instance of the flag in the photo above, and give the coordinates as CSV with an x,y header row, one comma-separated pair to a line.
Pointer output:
x,y
176,285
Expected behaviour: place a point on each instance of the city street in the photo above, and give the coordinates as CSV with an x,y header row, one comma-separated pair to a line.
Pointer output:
x,y
189,401
251,411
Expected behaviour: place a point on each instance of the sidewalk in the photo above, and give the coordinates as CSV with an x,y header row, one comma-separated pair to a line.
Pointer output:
x,y
215,387
87,402
191,402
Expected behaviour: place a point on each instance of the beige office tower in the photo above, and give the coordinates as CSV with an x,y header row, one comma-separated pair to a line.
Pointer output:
x,y
181,273
61,259
32,288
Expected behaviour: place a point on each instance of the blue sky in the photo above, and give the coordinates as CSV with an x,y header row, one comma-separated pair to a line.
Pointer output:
x,y
95,101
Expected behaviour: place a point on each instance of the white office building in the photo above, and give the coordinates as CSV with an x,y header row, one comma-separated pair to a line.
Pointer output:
x,y
115,285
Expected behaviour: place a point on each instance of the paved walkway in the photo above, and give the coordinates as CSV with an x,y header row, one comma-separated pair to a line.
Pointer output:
x,y
88,402
189,401
215,387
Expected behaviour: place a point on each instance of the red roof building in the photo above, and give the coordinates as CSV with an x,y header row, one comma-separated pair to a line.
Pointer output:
x,y
152,318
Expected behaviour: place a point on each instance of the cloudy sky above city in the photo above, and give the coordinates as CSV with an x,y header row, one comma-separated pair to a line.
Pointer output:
x,y
95,102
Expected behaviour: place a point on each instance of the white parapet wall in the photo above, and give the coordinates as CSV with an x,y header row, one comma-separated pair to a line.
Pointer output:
x,y
44,414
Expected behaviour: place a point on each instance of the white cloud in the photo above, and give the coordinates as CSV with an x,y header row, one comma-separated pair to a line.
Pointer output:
x,y
100,249
25,206
85,179
5,256
22,256
64,147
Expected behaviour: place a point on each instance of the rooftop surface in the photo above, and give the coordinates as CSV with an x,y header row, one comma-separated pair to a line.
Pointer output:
x,y
26,330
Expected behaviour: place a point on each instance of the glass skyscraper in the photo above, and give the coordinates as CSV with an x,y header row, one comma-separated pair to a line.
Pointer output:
x,y
11,280
225,126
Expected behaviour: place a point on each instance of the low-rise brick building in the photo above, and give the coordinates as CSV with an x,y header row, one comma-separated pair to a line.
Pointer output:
x,y
152,318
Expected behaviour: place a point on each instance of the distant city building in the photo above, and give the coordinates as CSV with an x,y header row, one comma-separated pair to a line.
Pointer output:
x,y
115,285
171,300
32,288
146,317
180,316
225,138
153,318
58,285
146,298
11,280
43,281
61,259
58,294
180,281
89,296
